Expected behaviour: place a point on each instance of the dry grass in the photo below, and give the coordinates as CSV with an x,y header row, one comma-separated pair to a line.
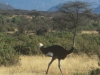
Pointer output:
x,y
36,65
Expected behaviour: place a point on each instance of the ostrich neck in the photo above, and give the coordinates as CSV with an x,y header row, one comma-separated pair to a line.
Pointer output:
x,y
73,45
74,38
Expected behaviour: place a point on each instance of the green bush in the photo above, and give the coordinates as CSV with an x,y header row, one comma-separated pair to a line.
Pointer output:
x,y
8,57
28,44
95,72
15,19
23,50
41,31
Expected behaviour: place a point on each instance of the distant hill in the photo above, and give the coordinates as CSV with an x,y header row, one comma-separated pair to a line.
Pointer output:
x,y
97,10
4,6
55,8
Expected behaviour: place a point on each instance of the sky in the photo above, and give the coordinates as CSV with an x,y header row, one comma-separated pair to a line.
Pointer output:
x,y
41,5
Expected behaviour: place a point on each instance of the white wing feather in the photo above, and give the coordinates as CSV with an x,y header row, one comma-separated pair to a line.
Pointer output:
x,y
49,54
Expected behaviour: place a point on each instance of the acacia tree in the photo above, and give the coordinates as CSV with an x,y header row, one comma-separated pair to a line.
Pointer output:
x,y
74,12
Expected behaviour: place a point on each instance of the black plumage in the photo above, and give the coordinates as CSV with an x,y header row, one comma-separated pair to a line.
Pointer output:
x,y
56,51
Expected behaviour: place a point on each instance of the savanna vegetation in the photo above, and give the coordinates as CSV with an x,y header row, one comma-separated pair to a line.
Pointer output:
x,y
21,31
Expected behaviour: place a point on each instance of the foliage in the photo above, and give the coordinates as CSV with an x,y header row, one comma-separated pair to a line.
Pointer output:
x,y
28,44
8,55
41,31
87,43
73,12
84,43
15,19
95,72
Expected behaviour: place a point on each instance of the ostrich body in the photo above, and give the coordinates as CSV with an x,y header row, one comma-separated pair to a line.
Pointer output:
x,y
56,52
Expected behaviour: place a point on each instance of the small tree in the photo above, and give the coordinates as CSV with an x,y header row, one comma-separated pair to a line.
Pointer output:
x,y
22,25
74,10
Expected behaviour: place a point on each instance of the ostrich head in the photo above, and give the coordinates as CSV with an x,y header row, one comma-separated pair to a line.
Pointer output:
x,y
40,45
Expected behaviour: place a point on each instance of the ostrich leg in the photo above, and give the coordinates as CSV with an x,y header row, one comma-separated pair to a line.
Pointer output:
x,y
59,66
53,58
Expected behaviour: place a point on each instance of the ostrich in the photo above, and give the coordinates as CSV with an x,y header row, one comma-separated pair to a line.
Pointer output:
x,y
56,52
